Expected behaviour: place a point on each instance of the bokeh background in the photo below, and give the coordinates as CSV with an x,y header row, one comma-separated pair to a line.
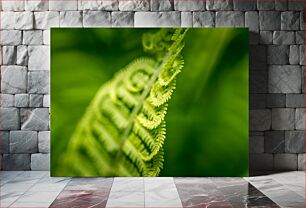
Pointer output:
x,y
207,119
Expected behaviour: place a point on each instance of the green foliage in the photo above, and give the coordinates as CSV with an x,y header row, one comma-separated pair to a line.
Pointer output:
x,y
207,116
123,129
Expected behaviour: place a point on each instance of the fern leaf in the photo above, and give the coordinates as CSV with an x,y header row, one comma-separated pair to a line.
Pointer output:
x,y
123,129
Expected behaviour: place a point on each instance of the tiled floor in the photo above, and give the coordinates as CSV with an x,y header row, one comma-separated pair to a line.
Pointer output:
x,y
37,189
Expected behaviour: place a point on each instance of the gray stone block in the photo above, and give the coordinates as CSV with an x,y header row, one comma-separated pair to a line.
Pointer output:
x,y
283,118
40,161
13,5
71,19
261,162
39,58
16,162
278,54
24,20
258,81
37,5
96,19
258,56
301,161
251,21
283,37
281,5
269,20
294,54
260,120
257,101
63,5
4,141
25,113
33,37
36,100
253,38
203,19
186,19
21,100
265,5
7,22
256,133
290,21
46,37
275,142
38,82
157,19
9,55
295,100
134,5
246,5
302,56
10,37
300,119
14,79
303,79
299,37
195,5
256,144
6,100
266,37
297,5
44,141
36,120
22,55
285,162
162,5
276,100
23,142
229,19
216,5
122,19
294,141
98,5
45,20
9,119
302,20
46,101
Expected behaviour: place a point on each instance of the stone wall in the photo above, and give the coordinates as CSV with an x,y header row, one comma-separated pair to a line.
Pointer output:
x,y
276,68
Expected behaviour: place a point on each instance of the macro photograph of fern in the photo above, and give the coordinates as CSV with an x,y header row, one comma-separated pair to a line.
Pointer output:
x,y
149,102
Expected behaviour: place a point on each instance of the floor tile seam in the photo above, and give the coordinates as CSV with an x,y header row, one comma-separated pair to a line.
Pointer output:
x,y
266,193
13,178
144,192
178,192
109,192
32,187
285,187
24,192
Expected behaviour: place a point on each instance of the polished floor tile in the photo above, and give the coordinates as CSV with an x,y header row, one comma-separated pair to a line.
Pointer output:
x,y
161,192
37,189
277,192
203,194
84,192
128,184
80,199
125,199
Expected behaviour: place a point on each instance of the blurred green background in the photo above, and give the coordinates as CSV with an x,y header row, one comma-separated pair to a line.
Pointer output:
x,y
207,119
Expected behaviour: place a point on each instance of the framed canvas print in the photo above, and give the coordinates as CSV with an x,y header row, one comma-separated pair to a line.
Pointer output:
x,y
149,102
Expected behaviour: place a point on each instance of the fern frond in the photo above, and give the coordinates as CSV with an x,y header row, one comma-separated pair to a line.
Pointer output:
x,y
123,129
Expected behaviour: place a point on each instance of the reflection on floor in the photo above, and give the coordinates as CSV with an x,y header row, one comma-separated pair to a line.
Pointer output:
x,y
38,189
